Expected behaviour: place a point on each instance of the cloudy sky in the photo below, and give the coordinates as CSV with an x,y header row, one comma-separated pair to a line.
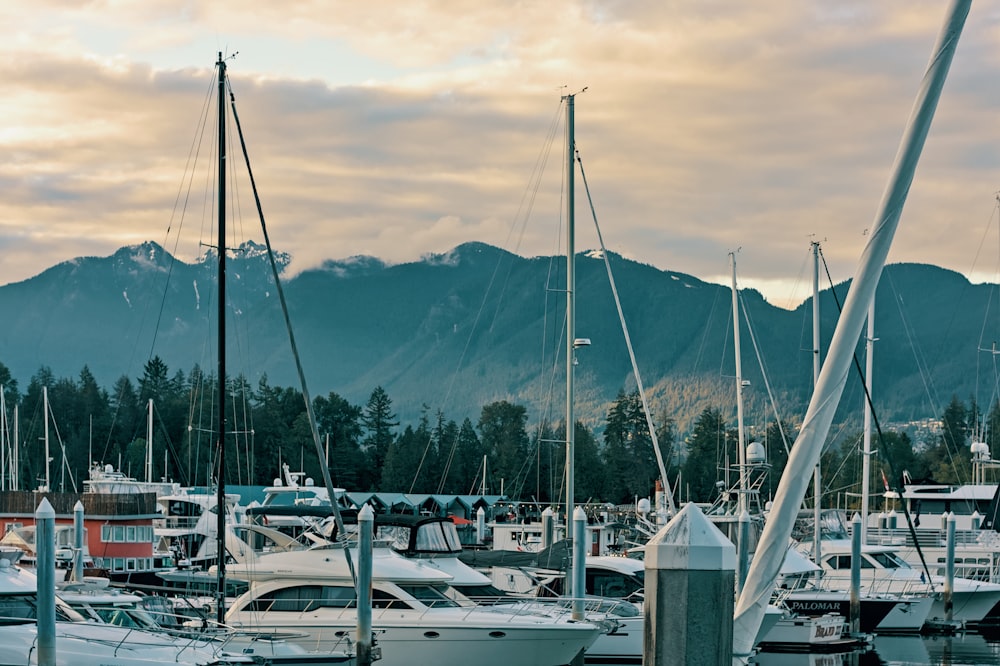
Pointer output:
x,y
398,129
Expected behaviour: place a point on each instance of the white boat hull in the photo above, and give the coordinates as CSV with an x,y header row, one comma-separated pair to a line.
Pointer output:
x,y
444,637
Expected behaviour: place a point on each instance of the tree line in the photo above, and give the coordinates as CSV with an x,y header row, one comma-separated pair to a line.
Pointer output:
x,y
366,448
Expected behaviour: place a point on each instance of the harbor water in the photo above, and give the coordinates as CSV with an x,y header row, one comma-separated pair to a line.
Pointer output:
x,y
967,649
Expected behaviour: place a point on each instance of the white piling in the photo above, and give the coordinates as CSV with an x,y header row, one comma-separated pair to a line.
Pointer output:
x,y
366,519
45,569
78,541
579,590
690,579
855,612
481,526
547,527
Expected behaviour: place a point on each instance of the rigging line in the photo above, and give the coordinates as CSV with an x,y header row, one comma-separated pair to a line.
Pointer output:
x,y
524,210
526,204
986,316
923,371
703,343
169,446
62,447
886,454
188,169
628,343
341,532
763,371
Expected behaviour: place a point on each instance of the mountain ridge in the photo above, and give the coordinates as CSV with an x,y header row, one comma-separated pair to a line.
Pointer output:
x,y
453,331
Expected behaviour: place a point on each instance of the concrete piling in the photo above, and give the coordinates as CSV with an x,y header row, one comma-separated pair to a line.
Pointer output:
x,y
690,584
45,570
366,520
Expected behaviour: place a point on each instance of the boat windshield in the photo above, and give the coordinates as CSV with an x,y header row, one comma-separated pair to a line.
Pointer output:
x,y
434,596
889,561
614,584
438,537
16,607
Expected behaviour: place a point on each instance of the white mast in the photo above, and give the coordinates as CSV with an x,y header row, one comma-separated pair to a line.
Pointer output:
x,y
149,442
867,451
3,439
570,311
740,445
817,476
15,456
45,411
578,580
808,446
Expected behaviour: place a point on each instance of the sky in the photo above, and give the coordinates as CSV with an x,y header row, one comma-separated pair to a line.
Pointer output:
x,y
402,129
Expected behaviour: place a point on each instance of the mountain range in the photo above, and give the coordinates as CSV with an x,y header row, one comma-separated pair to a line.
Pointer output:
x,y
455,331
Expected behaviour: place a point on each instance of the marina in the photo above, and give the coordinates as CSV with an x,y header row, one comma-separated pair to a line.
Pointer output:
x,y
304,573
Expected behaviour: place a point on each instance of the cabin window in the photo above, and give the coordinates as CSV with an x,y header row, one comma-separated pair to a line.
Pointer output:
x,y
130,534
119,534
611,584
844,562
383,599
335,596
106,533
884,559
289,600
17,607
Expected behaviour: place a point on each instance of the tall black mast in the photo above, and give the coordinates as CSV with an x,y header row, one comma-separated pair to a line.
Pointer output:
x,y
220,481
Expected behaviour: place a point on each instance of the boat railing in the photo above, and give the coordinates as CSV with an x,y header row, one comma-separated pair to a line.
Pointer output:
x,y
879,586
601,612
201,627
927,537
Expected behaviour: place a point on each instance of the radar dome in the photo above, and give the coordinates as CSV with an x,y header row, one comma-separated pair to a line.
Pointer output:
x,y
756,455
643,506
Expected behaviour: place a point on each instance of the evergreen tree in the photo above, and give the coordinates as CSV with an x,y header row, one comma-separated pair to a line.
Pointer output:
x,y
504,439
630,461
466,467
11,394
706,449
955,426
340,422
589,481
378,421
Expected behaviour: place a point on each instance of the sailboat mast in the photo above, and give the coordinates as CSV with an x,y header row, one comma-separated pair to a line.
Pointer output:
x,y
740,445
4,440
570,308
15,481
45,415
220,481
817,475
866,460
149,442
